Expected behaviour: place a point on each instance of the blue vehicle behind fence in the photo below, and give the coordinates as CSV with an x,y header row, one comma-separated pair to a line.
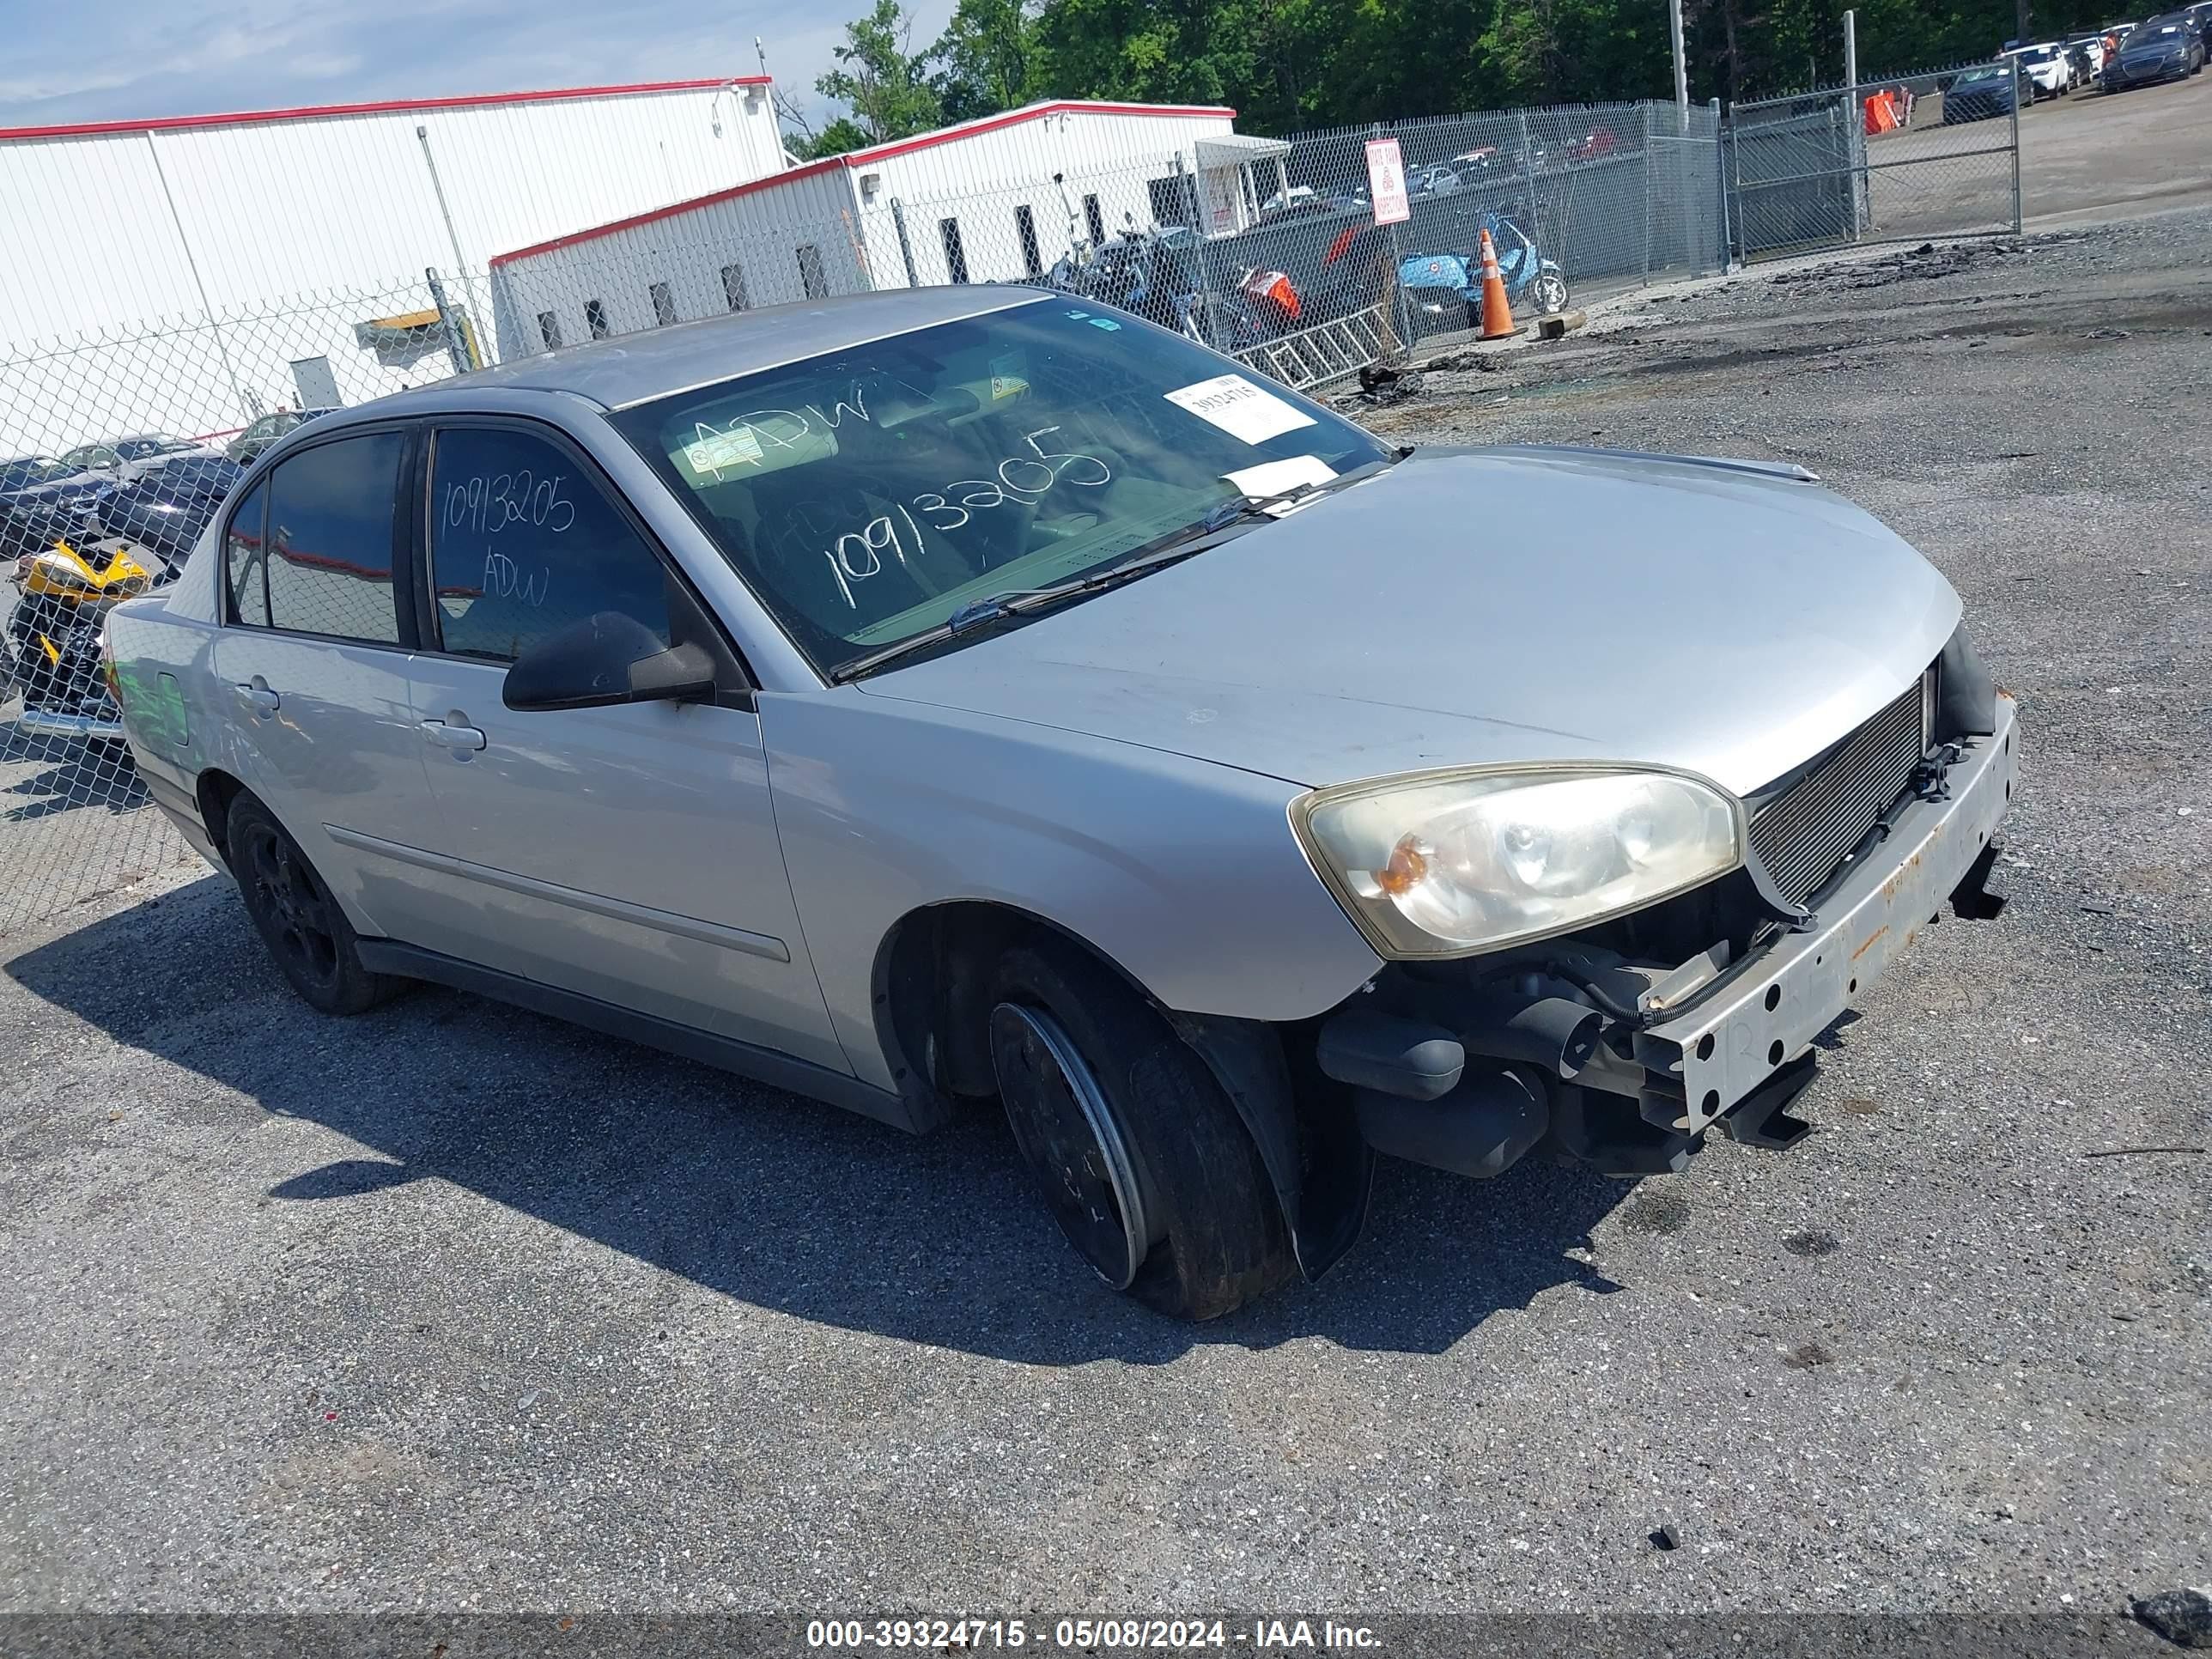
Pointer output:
x,y
1444,290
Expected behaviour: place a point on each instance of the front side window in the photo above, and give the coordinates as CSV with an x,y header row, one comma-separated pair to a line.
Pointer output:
x,y
329,556
867,495
523,543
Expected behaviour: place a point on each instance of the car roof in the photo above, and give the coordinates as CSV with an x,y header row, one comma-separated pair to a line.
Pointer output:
x,y
634,368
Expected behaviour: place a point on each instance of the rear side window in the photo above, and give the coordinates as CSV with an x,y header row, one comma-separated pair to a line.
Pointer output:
x,y
523,543
245,569
328,567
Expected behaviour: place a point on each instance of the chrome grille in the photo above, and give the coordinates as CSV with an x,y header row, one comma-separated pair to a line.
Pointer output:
x,y
1805,832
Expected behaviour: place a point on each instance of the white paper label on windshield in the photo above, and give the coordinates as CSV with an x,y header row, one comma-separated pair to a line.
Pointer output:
x,y
1240,409
721,449
1274,477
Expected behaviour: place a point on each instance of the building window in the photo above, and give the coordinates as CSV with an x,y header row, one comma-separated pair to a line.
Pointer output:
x,y
1025,228
664,304
595,317
1094,218
955,254
810,272
1172,201
733,286
549,328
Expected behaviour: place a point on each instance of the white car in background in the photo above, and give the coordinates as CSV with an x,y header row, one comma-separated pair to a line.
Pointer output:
x,y
2049,67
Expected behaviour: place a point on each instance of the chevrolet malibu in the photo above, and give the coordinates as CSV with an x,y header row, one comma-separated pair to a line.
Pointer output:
x,y
966,696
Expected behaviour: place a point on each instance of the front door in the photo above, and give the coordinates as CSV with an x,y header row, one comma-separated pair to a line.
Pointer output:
x,y
628,853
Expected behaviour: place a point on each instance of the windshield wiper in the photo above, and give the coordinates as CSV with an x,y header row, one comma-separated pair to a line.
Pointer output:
x,y
1234,515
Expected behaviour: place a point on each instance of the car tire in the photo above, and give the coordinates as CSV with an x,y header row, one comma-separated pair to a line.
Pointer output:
x,y
306,931
1135,1148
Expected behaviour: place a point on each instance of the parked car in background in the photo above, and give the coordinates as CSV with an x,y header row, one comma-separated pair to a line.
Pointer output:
x,y
962,697
1594,145
1435,180
1976,94
108,452
2088,50
260,435
2201,14
2169,47
46,497
2048,66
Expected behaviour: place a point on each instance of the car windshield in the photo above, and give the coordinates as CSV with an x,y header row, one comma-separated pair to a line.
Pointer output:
x,y
868,495
1975,77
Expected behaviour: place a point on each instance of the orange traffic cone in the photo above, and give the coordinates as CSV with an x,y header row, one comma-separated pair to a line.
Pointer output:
x,y
1496,315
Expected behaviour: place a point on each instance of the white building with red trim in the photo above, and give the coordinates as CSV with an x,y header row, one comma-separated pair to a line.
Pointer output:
x,y
996,199
168,274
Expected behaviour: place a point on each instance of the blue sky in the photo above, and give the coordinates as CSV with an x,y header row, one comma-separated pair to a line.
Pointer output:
x,y
96,60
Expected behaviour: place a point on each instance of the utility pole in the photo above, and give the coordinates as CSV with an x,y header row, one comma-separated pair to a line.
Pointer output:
x,y
1683,66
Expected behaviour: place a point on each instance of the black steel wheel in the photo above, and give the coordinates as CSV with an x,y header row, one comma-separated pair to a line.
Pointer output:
x,y
1072,1141
301,924
1141,1158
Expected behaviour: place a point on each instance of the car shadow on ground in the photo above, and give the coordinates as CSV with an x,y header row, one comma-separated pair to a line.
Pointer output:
x,y
751,1192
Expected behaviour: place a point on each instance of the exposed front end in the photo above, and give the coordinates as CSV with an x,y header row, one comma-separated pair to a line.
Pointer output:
x,y
1623,1043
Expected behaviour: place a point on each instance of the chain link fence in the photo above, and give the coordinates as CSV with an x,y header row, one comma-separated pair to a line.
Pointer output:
x,y
1935,153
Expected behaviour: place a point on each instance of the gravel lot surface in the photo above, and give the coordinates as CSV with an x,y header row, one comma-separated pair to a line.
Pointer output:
x,y
451,1306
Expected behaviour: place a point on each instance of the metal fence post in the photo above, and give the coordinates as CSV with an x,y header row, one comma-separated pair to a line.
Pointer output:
x,y
906,246
1721,172
1645,111
2018,224
457,342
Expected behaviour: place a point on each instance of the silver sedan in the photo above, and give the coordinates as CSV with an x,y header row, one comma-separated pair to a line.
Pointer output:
x,y
963,697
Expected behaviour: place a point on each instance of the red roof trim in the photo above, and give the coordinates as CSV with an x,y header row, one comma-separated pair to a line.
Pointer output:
x,y
390,106
854,161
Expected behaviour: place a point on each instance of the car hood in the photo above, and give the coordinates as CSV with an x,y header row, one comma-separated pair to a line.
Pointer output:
x,y
1480,607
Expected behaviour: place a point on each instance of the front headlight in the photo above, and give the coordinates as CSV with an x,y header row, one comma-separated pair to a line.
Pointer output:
x,y
1445,864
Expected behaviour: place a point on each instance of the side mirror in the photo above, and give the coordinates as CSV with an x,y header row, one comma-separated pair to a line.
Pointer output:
x,y
606,659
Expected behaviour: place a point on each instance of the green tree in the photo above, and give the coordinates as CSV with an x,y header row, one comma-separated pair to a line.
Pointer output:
x,y
986,60
880,77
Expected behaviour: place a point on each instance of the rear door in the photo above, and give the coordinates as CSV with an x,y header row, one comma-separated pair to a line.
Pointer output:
x,y
312,663
627,853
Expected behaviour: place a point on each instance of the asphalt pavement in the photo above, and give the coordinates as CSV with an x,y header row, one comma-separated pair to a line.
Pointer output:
x,y
453,1307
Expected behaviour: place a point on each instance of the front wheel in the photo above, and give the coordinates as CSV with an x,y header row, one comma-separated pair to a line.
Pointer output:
x,y
1550,291
1135,1149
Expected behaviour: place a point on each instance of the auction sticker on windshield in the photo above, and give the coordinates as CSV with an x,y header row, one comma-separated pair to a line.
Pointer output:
x,y
1240,407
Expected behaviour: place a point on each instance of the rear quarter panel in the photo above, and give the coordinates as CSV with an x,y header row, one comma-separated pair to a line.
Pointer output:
x,y
161,644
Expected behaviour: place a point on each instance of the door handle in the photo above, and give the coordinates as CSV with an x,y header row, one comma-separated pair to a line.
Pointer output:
x,y
464,737
257,695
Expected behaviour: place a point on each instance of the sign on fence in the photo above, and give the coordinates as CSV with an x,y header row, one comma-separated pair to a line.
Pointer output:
x,y
1386,182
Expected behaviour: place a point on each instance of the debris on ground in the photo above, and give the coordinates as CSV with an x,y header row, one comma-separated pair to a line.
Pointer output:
x,y
1925,261
1453,362
1380,384
2184,1617
1666,1537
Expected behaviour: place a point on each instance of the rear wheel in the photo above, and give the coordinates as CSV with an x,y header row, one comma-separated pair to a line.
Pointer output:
x,y
301,924
1139,1154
